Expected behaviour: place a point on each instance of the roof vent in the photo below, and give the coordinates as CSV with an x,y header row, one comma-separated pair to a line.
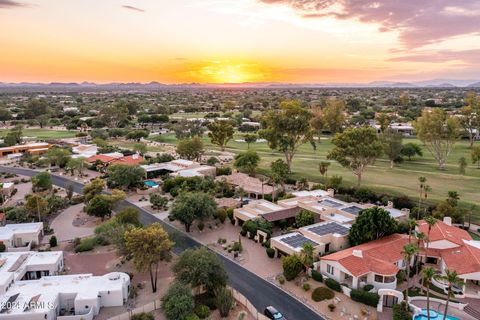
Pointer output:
x,y
447,221
357,253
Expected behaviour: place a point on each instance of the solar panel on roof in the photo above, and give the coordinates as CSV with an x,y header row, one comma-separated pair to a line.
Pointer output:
x,y
297,241
353,210
329,228
330,203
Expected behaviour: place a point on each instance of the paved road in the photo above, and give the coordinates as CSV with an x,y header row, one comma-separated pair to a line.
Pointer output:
x,y
259,291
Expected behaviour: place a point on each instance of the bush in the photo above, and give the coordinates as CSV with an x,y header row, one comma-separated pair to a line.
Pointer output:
x,y
86,245
237,247
53,241
306,286
281,279
368,298
243,233
322,293
3,247
367,287
211,303
270,252
224,300
399,312
192,317
222,215
292,266
317,276
334,285
143,316
201,226
230,215
332,307
202,311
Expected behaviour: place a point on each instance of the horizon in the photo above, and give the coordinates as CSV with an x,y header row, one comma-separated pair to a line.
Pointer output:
x,y
238,42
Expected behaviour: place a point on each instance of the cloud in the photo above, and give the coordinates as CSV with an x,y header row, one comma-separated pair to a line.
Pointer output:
x,y
469,57
8,4
133,8
418,23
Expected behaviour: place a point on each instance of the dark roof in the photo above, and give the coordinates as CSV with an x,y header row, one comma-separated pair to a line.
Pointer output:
x,y
330,203
329,228
281,214
352,210
297,240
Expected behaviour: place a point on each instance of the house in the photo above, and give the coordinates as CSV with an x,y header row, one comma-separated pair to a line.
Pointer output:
x,y
30,265
324,236
179,168
84,150
132,160
31,148
452,248
376,263
253,187
21,236
264,209
71,297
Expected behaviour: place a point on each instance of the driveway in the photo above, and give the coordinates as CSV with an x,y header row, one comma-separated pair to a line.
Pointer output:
x,y
259,291
64,228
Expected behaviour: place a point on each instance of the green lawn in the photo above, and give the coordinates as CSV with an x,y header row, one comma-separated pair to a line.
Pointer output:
x,y
43,133
475,236
403,179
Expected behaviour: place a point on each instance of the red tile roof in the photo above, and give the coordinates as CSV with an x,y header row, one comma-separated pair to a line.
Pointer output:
x,y
132,160
101,157
443,231
377,256
464,259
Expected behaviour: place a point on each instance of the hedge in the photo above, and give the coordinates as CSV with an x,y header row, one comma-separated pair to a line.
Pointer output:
x,y
202,311
322,293
317,276
368,298
368,287
270,252
334,285
399,312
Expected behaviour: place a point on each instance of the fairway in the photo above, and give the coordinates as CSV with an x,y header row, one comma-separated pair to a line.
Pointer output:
x,y
402,179
43,133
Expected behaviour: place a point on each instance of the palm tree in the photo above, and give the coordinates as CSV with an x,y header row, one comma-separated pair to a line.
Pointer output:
x,y
306,256
427,275
323,168
451,277
420,239
412,223
426,190
431,221
409,250
422,181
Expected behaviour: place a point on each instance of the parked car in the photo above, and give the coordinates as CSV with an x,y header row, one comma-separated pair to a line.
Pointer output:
x,y
272,313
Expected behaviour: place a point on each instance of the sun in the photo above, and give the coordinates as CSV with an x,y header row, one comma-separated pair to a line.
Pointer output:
x,y
227,72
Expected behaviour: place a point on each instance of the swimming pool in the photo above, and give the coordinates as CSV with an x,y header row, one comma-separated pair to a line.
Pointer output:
x,y
433,315
151,184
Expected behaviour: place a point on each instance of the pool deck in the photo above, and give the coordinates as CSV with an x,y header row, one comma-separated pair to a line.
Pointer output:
x,y
438,307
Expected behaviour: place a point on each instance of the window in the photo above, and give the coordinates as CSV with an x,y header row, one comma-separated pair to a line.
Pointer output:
x,y
378,278
330,269
390,279
327,247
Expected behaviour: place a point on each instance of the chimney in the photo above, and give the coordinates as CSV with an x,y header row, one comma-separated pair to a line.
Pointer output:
x,y
447,221
357,253
331,192
389,204
406,211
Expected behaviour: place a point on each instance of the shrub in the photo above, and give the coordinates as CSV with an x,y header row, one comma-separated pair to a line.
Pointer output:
x,y
178,302
201,226
270,252
332,307
53,241
243,233
368,298
292,266
211,303
334,285
367,287
306,286
317,276
224,300
230,215
322,293
143,316
202,311
399,312
192,317
86,245
401,276
222,215
3,247
281,279
237,247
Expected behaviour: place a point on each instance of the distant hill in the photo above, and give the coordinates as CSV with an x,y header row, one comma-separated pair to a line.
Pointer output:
x,y
474,85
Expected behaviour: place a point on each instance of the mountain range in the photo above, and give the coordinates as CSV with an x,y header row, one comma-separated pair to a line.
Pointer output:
x,y
131,86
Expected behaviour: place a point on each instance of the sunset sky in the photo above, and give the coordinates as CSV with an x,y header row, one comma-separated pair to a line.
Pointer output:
x,y
178,41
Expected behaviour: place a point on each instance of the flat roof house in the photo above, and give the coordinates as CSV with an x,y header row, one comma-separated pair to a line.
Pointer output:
x,y
264,209
254,187
21,236
179,167
32,148
30,265
71,297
